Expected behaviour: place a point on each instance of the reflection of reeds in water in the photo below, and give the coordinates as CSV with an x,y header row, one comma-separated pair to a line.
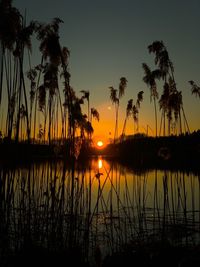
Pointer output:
x,y
95,210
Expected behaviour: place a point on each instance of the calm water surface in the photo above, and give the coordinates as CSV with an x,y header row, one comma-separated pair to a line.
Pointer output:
x,y
100,204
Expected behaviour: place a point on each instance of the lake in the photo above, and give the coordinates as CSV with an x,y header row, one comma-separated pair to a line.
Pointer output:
x,y
96,207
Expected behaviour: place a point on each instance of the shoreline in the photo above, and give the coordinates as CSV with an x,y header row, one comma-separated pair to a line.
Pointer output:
x,y
142,152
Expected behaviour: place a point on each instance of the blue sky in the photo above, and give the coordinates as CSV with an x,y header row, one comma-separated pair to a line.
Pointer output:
x,y
109,39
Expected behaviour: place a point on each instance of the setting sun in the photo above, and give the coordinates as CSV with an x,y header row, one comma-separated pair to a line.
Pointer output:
x,y
99,143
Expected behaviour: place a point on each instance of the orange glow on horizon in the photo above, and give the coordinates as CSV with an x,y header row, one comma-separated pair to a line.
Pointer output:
x,y
99,142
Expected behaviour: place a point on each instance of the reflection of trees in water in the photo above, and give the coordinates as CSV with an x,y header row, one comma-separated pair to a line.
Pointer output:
x,y
111,207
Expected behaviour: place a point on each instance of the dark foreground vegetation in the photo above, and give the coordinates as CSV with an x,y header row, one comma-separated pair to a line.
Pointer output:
x,y
52,214
153,254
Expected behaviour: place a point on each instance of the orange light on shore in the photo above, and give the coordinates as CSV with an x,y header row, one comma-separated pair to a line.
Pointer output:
x,y
99,143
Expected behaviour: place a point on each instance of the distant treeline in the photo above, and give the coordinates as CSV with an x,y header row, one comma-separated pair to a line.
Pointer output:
x,y
140,151
169,151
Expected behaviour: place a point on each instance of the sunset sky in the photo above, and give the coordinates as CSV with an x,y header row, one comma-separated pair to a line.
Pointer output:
x,y
108,39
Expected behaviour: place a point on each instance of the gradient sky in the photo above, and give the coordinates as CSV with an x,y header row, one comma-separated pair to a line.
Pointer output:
x,y
108,39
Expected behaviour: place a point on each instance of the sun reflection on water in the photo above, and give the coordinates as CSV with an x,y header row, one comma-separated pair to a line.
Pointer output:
x,y
100,163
